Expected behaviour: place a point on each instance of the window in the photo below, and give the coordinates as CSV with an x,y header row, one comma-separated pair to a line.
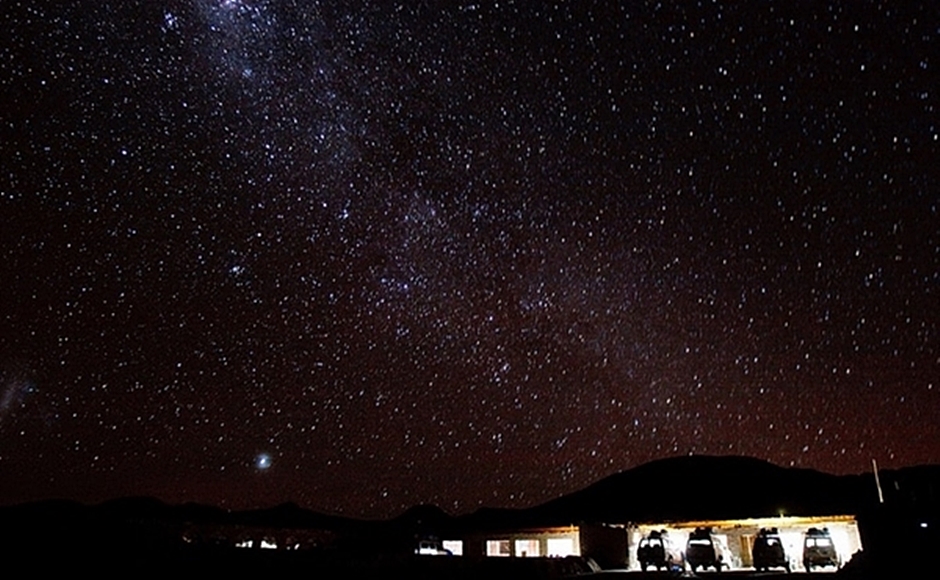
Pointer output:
x,y
455,547
561,547
818,542
497,548
527,548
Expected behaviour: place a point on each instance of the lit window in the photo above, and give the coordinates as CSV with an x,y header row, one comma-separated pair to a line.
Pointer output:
x,y
561,547
497,548
455,547
527,548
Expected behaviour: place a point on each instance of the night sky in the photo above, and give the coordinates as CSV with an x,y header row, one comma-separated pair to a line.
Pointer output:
x,y
362,256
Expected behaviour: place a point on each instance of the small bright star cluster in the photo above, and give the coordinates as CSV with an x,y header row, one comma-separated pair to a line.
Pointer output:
x,y
362,256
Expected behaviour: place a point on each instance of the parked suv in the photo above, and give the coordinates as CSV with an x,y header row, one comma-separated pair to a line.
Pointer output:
x,y
818,550
658,551
768,551
706,550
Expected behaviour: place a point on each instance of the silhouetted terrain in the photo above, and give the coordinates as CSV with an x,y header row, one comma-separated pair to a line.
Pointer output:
x,y
145,532
702,487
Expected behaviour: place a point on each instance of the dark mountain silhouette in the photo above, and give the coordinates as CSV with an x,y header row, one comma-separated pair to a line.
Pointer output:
x,y
425,519
146,508
290,515
679,488
147,534
702,487
714,488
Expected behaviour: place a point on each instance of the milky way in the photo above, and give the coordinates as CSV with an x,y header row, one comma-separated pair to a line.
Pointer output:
x,y
360,258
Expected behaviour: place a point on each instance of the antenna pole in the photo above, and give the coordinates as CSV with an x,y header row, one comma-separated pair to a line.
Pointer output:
x,y
874,466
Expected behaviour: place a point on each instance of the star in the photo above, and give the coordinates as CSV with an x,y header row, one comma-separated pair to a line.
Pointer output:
x,y
390,243
262,462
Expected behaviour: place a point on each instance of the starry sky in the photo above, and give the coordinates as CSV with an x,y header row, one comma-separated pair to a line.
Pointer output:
x,y
365,255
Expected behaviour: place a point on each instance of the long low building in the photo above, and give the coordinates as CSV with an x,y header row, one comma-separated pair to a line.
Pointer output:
x,y
738,536
607,545
615,546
